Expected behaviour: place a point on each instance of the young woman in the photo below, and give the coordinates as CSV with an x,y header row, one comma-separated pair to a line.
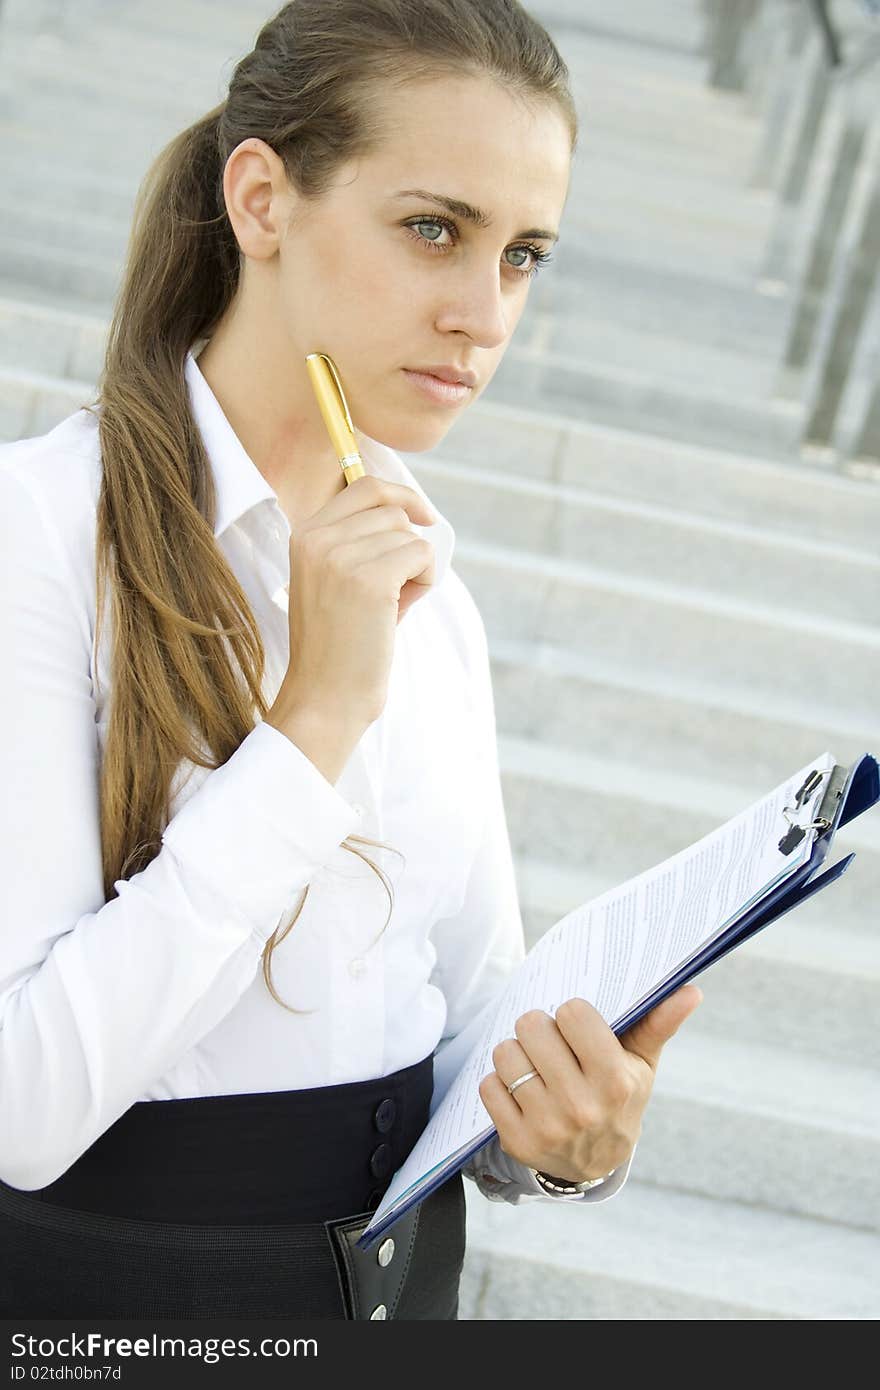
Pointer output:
x,y
222,662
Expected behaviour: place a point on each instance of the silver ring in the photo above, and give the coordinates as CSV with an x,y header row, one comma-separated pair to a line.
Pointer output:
x,y
521,1080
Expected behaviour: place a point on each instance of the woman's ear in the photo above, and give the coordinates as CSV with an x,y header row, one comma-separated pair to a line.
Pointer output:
x,y
259,201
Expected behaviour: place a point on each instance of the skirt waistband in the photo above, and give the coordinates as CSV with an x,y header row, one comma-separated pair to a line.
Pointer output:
x,y
259,1158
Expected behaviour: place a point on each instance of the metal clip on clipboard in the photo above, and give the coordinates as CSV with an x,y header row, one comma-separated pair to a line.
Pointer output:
x,y
837,778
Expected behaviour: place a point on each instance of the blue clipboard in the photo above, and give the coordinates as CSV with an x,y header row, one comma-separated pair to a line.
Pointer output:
x,y
850,792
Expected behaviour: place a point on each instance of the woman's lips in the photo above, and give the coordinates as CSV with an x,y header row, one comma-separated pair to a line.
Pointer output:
x,y
442,392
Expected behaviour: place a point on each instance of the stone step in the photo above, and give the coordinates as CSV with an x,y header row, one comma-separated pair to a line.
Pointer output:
x,y
77,190
52,341
32,403
61,229
674,360
723,246
634,396
809,986
757,1124
128,154
82,275
821,669
549,694
612,820
654,297
97,72
147,40
654,1254
798,499
673,34
623,127
78,101
754,562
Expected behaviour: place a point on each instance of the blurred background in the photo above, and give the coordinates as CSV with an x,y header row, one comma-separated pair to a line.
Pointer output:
x,y
667,507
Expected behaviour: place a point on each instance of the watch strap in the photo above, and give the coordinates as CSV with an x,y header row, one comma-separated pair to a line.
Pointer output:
x,y
563,1186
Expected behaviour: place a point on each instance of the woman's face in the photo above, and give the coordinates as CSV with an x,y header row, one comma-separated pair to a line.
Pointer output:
x,y
387,280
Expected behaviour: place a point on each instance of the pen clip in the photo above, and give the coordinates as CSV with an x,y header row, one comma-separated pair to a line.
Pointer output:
x,y
343,403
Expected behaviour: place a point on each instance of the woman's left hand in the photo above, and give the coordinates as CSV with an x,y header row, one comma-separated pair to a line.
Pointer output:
x,y
581,1116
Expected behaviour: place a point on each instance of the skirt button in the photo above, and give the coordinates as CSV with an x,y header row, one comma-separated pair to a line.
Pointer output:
x,y
380,1163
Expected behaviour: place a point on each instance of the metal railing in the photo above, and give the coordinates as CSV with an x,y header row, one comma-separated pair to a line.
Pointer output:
x,y
808,68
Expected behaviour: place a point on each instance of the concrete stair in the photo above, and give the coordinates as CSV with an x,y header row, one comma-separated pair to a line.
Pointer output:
x,y
640,541
653,1253
681,611
660,468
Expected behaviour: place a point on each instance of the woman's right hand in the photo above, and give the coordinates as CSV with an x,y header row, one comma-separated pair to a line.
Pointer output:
x,y
356,567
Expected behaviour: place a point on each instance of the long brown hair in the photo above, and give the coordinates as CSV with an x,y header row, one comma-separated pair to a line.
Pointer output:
x,y
187,654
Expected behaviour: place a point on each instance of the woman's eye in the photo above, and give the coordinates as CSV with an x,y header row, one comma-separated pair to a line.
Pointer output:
x,y
440,224
428,224
432,241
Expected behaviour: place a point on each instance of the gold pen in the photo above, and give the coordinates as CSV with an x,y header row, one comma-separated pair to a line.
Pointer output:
x,y
334,408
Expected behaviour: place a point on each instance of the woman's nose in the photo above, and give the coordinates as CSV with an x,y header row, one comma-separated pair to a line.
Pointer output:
x,y
476,304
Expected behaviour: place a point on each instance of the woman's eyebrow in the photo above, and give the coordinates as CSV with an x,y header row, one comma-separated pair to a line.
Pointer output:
x,y
468,212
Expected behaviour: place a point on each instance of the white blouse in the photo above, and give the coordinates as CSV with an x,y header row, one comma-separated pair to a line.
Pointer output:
x,y
158,994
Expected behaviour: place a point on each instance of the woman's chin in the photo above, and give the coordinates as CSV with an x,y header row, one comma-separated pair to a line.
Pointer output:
x,y
408,436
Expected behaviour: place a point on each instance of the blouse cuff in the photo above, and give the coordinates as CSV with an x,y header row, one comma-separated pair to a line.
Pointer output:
x,y
503,1179
261,825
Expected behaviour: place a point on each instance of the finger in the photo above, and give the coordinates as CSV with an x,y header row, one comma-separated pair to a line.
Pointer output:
x,y
511,1062
648,1037
574,1044
505,1114
370,491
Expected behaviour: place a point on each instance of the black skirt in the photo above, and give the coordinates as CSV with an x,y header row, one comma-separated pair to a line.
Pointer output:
x,y
241,1206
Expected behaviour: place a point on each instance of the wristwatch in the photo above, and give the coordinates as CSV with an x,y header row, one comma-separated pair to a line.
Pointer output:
x,y
562,1185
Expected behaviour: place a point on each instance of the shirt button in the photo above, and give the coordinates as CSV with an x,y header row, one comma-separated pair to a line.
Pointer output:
x,y
379,1312
386,1252
358,809
380,1163
357,967
386,1112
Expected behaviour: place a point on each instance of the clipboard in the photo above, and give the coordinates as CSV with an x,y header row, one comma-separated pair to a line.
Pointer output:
x,y
848,793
